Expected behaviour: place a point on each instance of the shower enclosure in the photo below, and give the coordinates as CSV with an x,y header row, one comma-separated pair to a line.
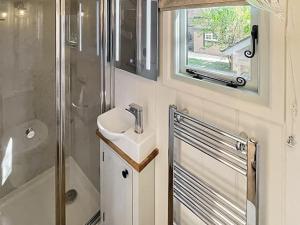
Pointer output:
x,y
55,79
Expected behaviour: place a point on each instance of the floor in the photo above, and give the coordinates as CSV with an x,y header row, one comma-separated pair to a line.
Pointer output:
x,y
34,202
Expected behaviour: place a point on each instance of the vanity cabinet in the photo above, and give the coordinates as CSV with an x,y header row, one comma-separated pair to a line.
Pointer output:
x,y
116,192
127,193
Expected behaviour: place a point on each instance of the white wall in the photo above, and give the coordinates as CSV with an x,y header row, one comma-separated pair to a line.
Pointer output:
x,y
270,125
293,125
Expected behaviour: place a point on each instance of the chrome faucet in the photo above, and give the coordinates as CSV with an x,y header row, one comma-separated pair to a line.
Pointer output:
x,y
137,111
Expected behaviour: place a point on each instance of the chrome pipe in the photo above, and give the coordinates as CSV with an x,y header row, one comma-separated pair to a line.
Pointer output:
x,y
148,34
208,190
211,127
95,219
219,158
214,205
80,26
252,181
60,79
215,148
226,217
212,137
97,28
210,193
117,30
107,79
199,197
172,110
111,52
200,209
200,213
102,28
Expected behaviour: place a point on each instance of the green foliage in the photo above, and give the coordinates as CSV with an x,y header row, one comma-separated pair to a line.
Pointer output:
x,y
209,65
229,24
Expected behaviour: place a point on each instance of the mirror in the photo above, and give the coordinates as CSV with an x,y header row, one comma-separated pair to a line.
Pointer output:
x,y
136,37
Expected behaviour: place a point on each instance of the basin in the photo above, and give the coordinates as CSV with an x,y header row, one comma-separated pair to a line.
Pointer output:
x,y
114,123
117,125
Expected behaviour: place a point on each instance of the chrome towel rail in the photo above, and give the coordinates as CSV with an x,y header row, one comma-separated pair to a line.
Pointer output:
x,y
201,198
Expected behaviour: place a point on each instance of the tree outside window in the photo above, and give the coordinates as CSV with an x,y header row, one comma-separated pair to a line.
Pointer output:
x,y
219,36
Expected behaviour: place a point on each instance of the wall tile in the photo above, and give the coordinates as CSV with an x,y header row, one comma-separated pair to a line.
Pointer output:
x,y
228,181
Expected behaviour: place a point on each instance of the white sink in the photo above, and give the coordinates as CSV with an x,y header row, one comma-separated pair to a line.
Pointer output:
x,y
117,125
114,123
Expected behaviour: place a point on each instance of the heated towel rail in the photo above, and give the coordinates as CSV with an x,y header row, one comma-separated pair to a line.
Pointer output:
x,y
202,199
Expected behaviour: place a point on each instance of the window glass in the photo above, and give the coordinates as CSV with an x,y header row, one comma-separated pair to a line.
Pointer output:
x,y
214,40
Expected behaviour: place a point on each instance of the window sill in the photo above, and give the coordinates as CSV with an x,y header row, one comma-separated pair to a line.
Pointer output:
x,y
241,93
232,80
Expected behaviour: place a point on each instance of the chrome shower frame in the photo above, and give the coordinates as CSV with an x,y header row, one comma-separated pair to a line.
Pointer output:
x,y
60,211
107,92
107,79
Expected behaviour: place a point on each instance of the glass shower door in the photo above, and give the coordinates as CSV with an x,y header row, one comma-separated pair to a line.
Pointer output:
x,y
83,82
27,112
88,81
50,98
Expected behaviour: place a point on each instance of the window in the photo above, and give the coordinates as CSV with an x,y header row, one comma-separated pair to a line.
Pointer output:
x,y
211,37
212,42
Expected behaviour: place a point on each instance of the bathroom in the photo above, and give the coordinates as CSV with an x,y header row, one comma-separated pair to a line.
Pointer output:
x,y
91,120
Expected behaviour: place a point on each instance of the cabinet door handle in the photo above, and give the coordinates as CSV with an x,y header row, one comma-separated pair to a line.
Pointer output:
x,y
125,173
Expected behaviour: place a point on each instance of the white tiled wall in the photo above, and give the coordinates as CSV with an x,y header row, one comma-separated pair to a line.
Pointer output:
x,y
279,172
156,98
293,125
27,84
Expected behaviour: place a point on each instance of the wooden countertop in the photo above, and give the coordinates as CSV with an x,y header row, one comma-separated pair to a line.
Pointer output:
x,y
137,166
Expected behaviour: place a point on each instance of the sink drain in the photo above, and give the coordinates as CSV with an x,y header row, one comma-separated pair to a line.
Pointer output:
x,y
70,196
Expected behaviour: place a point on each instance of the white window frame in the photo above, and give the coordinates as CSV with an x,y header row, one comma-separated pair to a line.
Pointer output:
x,y
182,51
210,37
267,104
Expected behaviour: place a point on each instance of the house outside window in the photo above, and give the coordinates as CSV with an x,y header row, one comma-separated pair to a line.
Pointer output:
x,y
210,37
212,41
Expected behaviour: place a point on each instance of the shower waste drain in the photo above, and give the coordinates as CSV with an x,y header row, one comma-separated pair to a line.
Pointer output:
x,y
30,133
70,196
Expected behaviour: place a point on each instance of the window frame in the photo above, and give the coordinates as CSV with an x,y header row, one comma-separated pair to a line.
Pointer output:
x,y
182,51
268,103
211,39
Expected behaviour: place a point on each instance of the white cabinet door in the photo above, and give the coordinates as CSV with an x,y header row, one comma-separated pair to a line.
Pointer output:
x,y
116,188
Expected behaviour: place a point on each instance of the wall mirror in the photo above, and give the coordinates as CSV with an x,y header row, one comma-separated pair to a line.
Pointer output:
x,y
136,37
